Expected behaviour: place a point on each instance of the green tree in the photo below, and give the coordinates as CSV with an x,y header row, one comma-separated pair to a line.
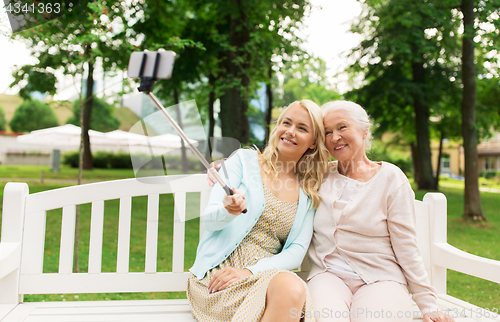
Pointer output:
x,y
102,118
3,121
33,115
305,79
418,64
474,13
238,40
88,32
406,60
250,35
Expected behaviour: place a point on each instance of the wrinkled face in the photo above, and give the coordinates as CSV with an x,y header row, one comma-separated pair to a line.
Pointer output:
x,y
344,138
295,133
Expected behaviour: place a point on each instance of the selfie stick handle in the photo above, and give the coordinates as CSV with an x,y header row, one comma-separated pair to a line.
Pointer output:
x,y
147,86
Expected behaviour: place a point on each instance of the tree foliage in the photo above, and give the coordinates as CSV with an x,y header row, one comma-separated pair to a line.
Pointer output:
x,y
89,32
237,41
305,79
408,61
420,62
33,115
102,118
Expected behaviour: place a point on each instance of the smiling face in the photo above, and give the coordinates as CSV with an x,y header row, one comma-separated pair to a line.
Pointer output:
x,y
295,133
344,139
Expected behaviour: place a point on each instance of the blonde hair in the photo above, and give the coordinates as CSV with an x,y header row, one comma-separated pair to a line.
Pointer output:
x,y
315,159
357,112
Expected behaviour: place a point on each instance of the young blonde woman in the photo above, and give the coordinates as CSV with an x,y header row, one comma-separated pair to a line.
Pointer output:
x,y
241,271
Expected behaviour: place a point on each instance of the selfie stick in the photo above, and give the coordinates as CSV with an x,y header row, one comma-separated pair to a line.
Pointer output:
x,y
146,86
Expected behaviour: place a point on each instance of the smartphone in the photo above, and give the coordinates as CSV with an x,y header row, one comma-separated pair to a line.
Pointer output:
x,y
146,61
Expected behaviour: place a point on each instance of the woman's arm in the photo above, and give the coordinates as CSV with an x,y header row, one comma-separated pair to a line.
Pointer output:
x,y
215,216
401,221
291,257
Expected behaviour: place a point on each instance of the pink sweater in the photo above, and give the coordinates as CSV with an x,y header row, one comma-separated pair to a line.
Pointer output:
x,y
375,234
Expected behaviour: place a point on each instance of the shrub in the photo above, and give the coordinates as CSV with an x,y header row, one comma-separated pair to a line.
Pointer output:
x,y
120,161
33,115
100,159
71,159
404,163
489,174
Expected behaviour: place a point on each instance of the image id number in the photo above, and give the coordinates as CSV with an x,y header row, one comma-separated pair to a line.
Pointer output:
x,y
20,7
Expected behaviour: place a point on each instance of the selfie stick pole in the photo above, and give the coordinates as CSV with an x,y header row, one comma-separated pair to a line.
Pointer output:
x,y
147,86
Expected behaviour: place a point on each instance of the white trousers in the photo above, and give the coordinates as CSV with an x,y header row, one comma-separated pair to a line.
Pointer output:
x,y
352,300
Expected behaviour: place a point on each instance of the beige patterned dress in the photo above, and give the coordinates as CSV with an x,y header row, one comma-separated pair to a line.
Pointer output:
x,y
245,299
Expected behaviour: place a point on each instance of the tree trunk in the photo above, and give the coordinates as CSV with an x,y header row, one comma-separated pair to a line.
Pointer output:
x,y
269,94
416,162
426,177
472,199
179,122
80,173
87,112
235,99
438,169
211,120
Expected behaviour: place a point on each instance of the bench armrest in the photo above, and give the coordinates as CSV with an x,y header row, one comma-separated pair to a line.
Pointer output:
x,y
450,257
10,254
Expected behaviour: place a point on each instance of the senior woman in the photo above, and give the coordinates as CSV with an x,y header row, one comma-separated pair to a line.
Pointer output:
x,y
364,252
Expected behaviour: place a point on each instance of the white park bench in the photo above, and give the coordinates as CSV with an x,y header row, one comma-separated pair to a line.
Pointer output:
x,y
22,254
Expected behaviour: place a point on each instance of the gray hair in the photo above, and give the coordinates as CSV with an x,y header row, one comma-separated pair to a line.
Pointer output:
x,y
355,111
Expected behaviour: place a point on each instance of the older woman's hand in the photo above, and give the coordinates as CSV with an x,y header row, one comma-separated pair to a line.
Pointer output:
x,y
216,166
438,316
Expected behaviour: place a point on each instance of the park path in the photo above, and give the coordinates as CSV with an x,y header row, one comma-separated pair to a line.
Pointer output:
x,y
452,185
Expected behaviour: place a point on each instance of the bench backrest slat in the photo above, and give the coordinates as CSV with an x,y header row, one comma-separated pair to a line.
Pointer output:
x,y
179,232
152,233
124,224
423,238
33,247
67,247
34,281
96,235
203,204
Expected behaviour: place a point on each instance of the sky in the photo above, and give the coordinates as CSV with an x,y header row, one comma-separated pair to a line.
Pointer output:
x,y
325,32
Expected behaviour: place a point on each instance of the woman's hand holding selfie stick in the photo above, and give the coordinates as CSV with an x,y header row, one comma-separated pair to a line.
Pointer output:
x,y
234,204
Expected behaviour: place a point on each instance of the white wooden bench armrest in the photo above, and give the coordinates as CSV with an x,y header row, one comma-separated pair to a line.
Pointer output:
x,y
10,252
450,257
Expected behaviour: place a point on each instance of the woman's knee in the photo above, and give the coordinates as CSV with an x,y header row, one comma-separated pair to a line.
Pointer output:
x,y
286,285
387,300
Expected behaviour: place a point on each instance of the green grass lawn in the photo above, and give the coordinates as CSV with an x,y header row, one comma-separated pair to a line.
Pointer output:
x,y
492,183
479,239
64,173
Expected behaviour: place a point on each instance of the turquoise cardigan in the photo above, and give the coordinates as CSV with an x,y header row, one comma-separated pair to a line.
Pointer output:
x,y
224,232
